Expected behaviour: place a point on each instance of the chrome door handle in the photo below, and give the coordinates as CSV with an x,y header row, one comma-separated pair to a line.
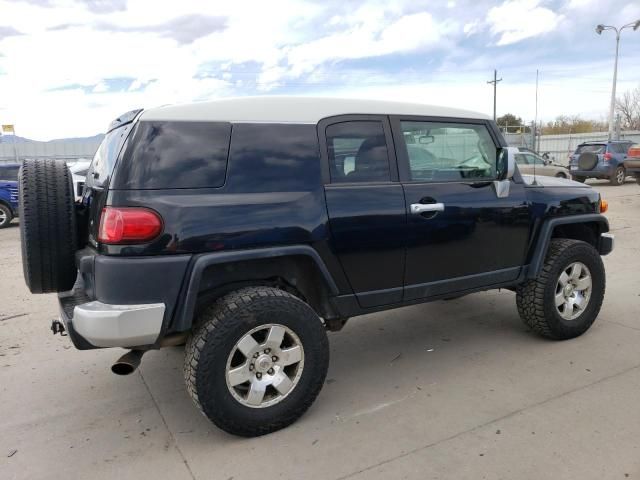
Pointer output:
x,y
418,208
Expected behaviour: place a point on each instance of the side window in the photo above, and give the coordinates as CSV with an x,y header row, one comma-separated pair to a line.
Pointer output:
x,y
533,160
449,152
522,159
358,152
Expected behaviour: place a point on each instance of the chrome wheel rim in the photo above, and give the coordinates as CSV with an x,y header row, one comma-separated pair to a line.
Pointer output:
x,y
264,366
573,291
620,176
3,217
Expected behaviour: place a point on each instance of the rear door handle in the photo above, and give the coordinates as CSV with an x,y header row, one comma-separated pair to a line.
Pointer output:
x,y
418,208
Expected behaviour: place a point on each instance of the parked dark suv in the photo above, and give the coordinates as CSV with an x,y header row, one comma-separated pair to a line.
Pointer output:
x,y
249,227
600,160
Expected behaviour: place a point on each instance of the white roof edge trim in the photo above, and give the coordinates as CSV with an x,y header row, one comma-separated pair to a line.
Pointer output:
x,y
287,109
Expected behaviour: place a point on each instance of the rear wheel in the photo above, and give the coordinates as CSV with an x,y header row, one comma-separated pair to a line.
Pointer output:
x,y
5,216
565,299
561,175
47,226
257,361
618,176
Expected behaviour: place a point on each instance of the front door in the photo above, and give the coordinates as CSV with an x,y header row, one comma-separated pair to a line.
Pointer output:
x,y
365,203
461,234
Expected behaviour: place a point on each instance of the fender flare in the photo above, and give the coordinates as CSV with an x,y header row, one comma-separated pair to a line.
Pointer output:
x,y
544,237
185,309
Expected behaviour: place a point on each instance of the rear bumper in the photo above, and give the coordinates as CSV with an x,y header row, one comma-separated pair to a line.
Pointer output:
x,y
104,325
93,324
607,242
599,171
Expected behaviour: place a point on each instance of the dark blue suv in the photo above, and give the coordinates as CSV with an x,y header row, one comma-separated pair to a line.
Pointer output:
x,y
8,193
600,160
246,228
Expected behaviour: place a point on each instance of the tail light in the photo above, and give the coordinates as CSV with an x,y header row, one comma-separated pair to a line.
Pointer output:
x,y
128,225
607,156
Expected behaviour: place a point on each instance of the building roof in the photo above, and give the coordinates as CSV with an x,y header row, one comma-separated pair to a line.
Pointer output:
x,y
281,109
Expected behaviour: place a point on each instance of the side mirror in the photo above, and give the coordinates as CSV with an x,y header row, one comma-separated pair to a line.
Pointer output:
x,y
506,163
547,161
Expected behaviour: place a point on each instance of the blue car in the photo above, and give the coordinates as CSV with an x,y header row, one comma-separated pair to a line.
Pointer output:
x,y
600,160
8,193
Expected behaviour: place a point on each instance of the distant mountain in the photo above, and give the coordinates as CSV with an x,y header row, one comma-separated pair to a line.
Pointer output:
x,y
18,139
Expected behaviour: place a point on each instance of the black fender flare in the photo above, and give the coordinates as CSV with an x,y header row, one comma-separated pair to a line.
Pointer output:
x,y
187,301
546,230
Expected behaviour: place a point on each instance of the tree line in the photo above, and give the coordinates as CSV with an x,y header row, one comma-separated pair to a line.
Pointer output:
x,y
627,107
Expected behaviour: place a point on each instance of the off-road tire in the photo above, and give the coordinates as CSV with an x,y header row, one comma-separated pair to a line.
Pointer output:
x,y
617,176
47,226
535,298
8,216
218,329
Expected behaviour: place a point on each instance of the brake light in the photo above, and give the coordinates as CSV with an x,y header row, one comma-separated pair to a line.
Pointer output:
x,y
128,225
607,156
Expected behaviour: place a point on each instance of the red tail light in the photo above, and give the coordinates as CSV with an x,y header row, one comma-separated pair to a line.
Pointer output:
x,y
607,156
128,225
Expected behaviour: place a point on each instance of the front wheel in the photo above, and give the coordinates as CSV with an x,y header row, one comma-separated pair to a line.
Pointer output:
x,y
5,216
565,299
256,361
618,176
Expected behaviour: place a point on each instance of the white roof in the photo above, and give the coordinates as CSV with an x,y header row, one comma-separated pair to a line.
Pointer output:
x,y
280,109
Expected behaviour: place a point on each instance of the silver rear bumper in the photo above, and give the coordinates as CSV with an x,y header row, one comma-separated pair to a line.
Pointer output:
x,y
104,325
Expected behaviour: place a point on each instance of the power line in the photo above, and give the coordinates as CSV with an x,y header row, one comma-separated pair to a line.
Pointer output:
x,y
495,91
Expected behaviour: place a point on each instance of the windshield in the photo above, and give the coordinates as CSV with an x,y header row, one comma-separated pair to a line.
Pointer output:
x,y
591,149
9,173
105,158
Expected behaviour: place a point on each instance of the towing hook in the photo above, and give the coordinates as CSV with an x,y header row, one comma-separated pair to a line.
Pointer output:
x,y
128,363
58,327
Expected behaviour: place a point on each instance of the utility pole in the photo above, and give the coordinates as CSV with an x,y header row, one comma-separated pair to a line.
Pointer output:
x,y
495,85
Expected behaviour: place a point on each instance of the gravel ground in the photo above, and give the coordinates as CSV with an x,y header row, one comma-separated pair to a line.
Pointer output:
x,y
456,389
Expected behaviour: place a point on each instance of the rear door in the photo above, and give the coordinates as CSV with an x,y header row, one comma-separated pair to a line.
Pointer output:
x,y
366,206
460,234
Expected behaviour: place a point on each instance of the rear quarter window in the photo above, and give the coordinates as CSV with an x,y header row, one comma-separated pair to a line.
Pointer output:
x,y
167,155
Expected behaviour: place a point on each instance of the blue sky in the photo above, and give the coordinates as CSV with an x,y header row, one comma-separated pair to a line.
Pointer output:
x,y
67,67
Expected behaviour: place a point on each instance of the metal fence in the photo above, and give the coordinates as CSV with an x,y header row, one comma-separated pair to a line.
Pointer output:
x,y
560,147
62,150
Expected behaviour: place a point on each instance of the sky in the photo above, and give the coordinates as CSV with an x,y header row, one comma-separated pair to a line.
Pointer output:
x,y
68,67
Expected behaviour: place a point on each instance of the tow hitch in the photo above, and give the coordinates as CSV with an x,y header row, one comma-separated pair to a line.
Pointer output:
x,y
58,327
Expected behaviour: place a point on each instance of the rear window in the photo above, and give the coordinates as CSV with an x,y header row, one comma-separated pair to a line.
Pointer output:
x,y
165,155
9,173
591,149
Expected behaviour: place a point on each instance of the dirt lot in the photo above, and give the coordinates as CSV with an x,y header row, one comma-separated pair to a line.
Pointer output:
x,y
455,389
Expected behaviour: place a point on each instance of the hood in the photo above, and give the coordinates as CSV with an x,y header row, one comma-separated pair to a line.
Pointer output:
x,y
542,181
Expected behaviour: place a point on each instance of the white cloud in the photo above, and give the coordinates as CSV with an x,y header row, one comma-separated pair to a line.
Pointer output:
x,y
516,20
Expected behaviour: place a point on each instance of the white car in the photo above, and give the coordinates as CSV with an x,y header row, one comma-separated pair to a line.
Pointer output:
x,y
78,174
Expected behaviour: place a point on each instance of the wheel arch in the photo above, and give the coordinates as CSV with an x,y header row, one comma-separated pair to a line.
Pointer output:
x,y
297,269
587,228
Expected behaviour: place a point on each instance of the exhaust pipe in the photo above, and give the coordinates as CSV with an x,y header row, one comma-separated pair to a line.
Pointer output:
x,y
128,362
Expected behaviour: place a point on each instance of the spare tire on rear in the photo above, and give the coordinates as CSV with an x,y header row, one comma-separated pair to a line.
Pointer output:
x,y
47,226
587,160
